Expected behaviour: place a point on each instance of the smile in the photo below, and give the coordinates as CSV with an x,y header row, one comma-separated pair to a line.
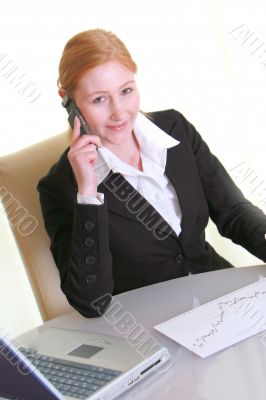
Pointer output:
x,y
117,127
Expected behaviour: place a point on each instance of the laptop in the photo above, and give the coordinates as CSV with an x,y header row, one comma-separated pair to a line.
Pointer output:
x,y
55,363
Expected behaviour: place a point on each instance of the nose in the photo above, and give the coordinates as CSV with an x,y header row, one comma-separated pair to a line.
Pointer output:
x,y
116,110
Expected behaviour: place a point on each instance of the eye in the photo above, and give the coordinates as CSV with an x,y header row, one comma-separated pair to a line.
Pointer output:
x,y
99,99
126,91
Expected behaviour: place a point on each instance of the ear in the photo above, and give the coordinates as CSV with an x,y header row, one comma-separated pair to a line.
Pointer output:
x,y
61,92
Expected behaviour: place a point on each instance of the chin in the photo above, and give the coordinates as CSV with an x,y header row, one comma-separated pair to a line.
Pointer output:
x,y
119,136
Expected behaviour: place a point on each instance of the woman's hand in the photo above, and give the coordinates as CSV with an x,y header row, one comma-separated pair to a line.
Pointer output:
x,y
82,157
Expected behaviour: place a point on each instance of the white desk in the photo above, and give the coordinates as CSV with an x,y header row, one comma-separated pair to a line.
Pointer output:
x,y
238,372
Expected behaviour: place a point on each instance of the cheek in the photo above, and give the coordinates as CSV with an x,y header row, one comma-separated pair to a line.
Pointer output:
x,y
136,103
94,117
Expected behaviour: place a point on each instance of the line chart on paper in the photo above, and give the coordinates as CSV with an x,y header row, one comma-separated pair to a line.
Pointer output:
x,y
220,323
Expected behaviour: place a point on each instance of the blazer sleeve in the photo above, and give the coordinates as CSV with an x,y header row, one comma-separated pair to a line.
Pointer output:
x,y
79,244
235,217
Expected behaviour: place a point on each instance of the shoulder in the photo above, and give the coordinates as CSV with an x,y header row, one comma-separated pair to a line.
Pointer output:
x,y
168,119
59,177
175,124
164,117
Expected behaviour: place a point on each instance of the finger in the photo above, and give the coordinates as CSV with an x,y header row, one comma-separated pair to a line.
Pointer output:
x,y
88,152
86,140
91,139
76,130
81,159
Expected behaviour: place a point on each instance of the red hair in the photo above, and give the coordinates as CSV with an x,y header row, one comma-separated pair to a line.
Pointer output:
x,y
87,50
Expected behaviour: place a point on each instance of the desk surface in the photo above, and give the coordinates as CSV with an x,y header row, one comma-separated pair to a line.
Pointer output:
x,y
238,372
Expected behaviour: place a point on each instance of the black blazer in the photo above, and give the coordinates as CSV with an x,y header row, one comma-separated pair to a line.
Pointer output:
x,y
125,243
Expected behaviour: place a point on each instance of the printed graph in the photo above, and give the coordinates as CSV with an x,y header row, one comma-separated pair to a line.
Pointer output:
x,y
222,322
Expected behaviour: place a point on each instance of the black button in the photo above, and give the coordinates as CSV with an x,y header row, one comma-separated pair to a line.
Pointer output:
x,y
179,258
89,242
90,260
89,225
91,278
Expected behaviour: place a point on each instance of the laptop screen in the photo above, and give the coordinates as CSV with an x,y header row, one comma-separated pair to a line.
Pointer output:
x,y
20,380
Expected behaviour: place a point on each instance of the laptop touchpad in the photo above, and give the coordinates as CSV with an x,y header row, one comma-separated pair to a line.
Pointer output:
x,y
85,351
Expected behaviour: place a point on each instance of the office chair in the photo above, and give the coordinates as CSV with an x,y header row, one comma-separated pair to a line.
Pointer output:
x,y
19,175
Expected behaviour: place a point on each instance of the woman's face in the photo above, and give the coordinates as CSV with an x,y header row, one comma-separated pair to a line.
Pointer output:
x,y
108,98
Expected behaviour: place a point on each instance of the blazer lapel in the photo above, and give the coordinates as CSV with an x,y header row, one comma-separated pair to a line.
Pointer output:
x,y
182,171
123,199
175,171
175,168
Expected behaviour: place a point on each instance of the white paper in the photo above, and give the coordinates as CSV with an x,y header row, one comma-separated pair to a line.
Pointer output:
x,y
220,323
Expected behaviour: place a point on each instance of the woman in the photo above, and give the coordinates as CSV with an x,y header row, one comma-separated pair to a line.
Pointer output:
x,y
127,205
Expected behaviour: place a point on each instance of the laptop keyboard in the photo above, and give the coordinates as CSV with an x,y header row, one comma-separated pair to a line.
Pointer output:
x,y
71,378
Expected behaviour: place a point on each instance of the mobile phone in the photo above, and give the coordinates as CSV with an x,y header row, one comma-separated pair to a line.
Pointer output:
x,y
73,111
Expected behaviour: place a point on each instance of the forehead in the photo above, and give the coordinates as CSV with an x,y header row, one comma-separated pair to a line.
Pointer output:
x,y
105,77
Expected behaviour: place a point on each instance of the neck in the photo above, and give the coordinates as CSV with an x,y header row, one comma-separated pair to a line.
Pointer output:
x,y
129,152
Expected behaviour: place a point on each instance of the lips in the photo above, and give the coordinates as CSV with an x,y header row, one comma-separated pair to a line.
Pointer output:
x,y
117,127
